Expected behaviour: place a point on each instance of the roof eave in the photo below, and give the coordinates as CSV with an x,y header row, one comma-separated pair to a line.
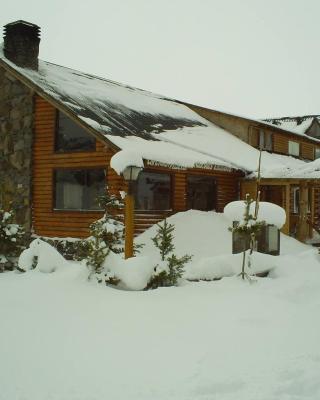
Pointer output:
x,y
259,122
60,106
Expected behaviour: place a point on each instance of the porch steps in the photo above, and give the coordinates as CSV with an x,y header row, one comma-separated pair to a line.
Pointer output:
x,y
143,220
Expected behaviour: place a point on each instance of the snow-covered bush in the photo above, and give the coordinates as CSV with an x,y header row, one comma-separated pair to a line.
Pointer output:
x,y
11,237
42,256
107,235
171,267
247,226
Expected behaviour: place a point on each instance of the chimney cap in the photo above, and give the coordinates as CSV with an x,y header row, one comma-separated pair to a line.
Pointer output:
x,y
21,43
22,22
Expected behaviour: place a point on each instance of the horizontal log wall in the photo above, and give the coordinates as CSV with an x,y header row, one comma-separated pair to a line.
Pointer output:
x,y
47,221
227,185
281,145
307,151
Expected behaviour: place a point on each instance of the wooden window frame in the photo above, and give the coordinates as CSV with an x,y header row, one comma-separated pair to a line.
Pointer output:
x,y
294,142
53,183
295,205
316,149
264,134
56,133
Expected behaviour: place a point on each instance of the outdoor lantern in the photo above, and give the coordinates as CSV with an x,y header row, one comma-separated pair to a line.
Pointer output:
x,y
130,174
267,240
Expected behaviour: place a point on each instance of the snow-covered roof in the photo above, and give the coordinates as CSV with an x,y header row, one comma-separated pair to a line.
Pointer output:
x,y
151,126
109,107
297,125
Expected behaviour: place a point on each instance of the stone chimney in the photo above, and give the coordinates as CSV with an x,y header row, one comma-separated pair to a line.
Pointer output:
x,y
21,43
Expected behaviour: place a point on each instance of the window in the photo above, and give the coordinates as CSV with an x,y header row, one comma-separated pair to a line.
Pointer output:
x,y
79,189
316,153
201,193
72,137
265,140
153,191
296,200
293,148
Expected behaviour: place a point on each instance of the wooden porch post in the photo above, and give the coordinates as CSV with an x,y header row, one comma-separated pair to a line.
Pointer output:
x,y
129,222
311,211
302,233
286,205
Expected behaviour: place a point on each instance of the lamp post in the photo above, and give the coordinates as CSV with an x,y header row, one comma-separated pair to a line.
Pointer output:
x,y
130,174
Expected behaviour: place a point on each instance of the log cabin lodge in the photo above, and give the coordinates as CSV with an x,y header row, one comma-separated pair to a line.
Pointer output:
x,y
59,129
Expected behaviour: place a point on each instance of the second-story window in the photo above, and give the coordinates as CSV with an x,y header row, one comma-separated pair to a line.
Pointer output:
x,y
293,148
70,137
265,140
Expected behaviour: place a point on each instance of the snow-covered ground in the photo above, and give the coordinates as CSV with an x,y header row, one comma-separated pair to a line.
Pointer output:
x,y
64,338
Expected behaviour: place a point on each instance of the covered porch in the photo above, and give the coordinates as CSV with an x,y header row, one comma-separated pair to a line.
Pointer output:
x,y
299,197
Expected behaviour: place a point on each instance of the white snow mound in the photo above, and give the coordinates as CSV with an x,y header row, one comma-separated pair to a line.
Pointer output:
x,y
270,213
134,272
46,257
126,158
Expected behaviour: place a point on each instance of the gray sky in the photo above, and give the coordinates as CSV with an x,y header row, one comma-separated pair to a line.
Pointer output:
x,y
249,57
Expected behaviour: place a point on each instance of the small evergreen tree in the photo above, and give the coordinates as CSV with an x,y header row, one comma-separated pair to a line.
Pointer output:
x,y
107,234
167,275
248,229
11,239
164,239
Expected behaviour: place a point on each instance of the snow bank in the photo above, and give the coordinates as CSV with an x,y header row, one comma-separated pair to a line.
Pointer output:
x,y
126,158
223,340
205,234
42,256
269,212
210,268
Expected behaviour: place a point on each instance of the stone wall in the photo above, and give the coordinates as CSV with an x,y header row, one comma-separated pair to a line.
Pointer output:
x,y
16,133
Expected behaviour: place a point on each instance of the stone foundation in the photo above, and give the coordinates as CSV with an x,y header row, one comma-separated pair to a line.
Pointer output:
x,y
16,134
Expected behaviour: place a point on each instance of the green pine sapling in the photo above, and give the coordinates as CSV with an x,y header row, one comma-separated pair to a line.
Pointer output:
x,y
107,234
169,274
164,239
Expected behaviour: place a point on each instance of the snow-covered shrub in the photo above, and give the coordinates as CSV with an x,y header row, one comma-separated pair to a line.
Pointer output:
x,y
11,238
130,274
247,226
107,235
42,256
171,267
67,247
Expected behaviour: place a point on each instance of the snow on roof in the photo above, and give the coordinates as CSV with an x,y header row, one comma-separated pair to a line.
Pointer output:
x,y
270,122
107,106
297,125
214,141
158,129
309,170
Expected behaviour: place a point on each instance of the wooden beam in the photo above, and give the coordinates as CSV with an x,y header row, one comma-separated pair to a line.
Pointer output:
x,y
286,205
302,233
312,210
129,225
